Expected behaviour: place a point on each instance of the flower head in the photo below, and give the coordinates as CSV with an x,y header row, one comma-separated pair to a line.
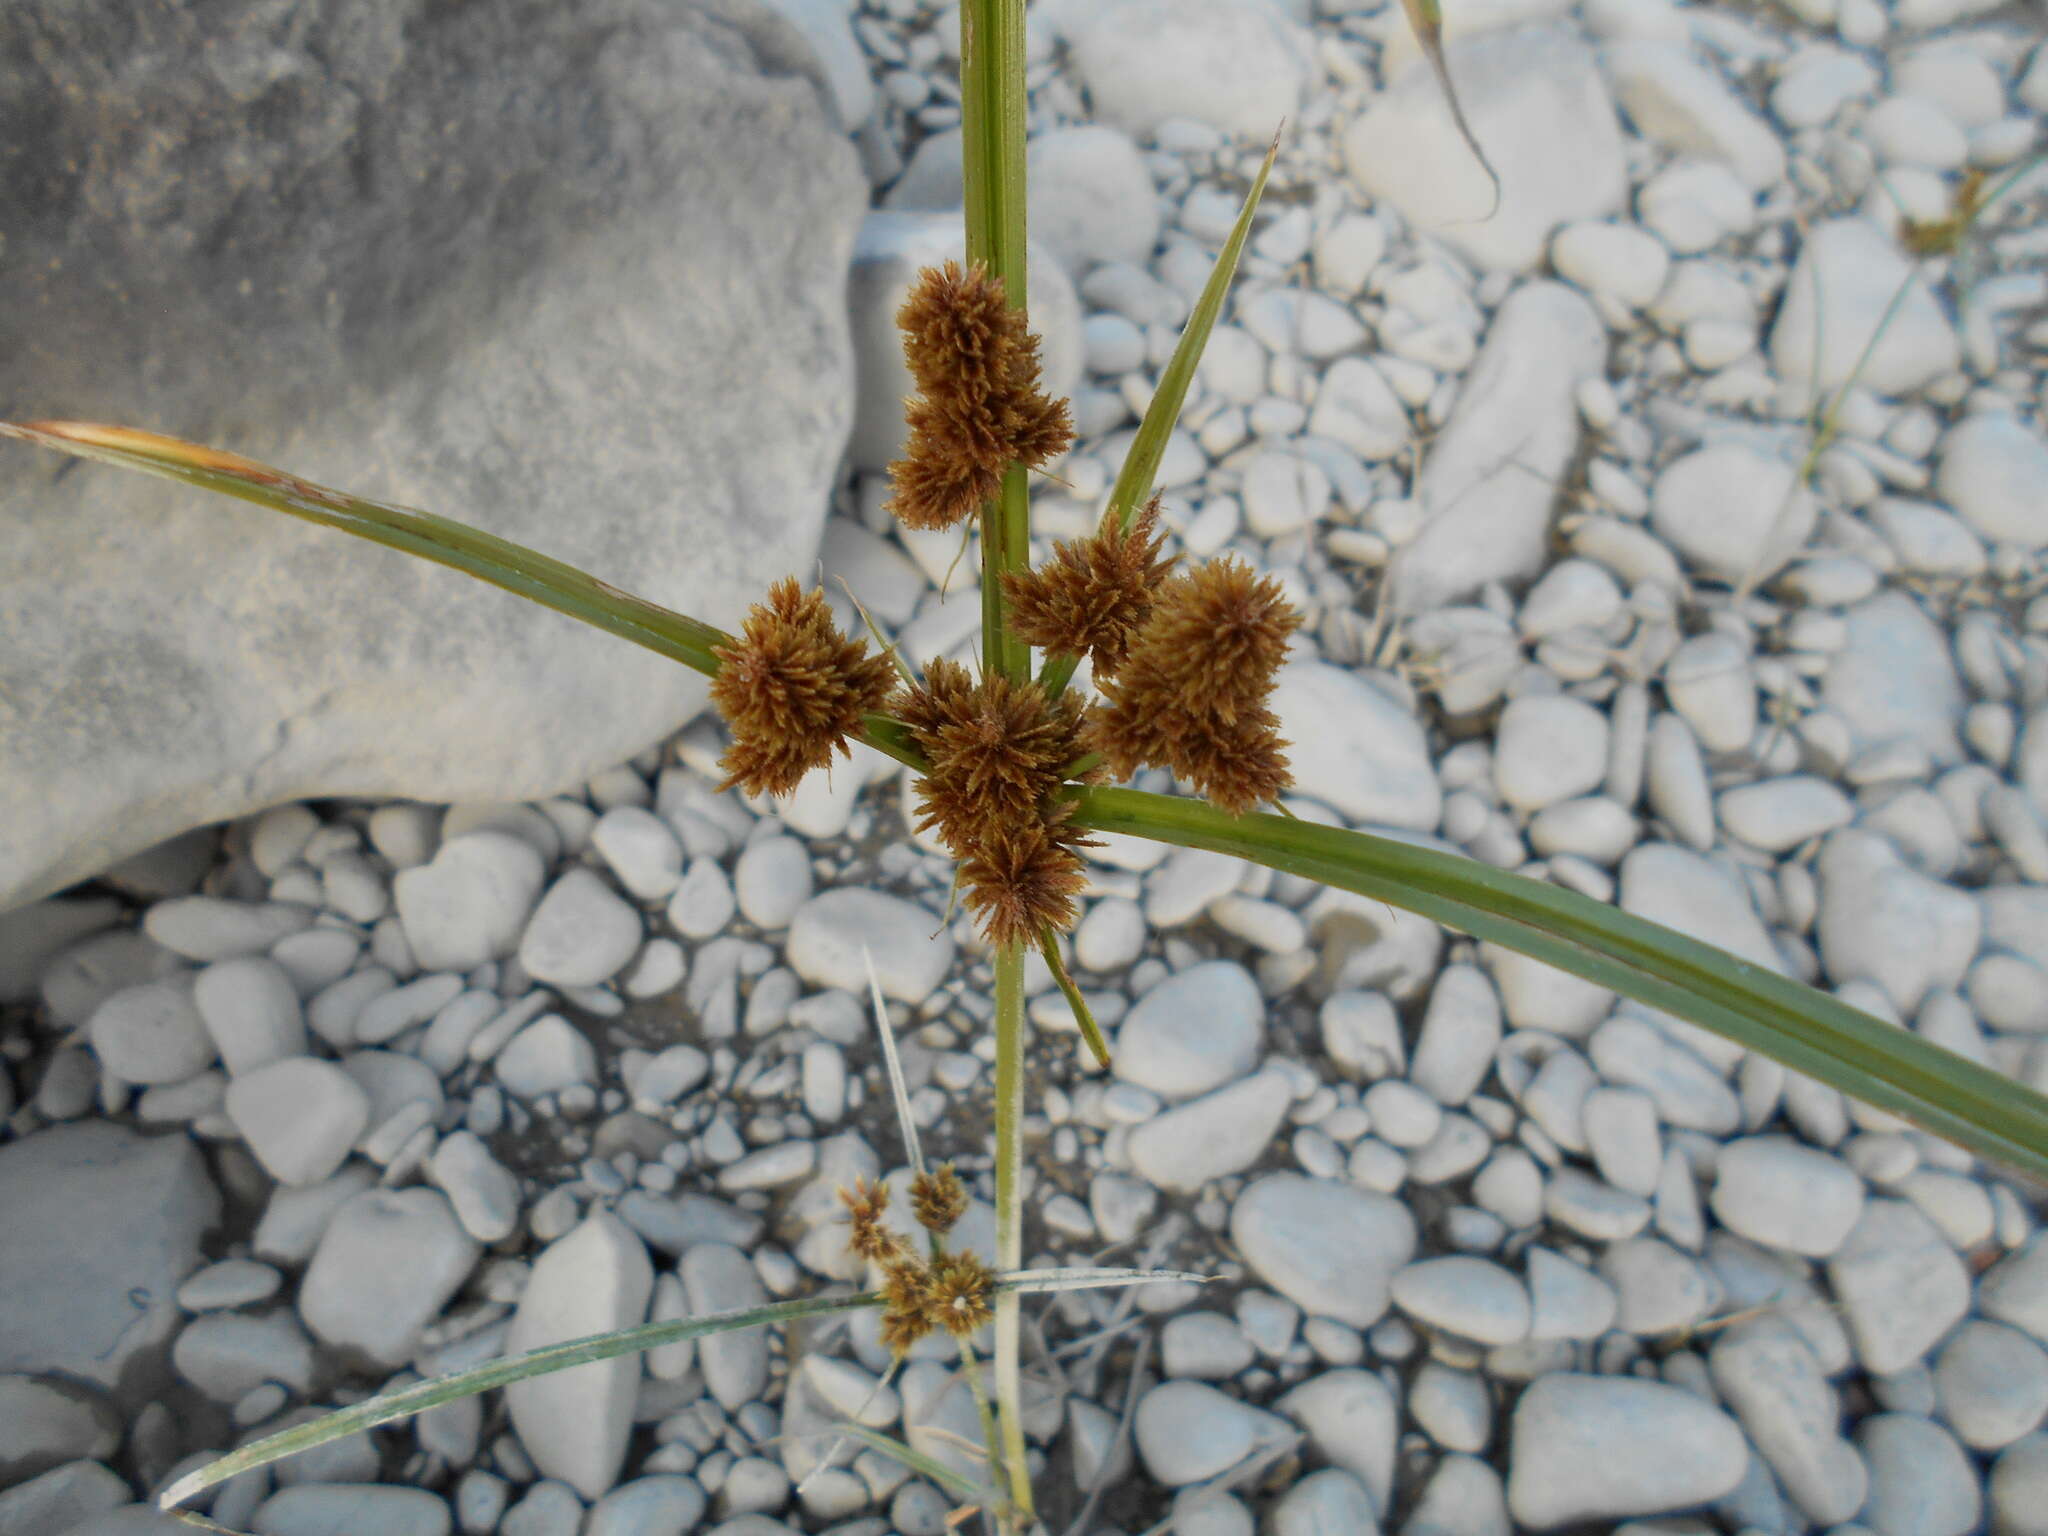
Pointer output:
x,y
1191,696
793,690
1093,594
997,751
979,407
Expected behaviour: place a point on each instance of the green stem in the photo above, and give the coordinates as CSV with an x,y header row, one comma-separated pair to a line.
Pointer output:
x,y
1009,1132
1807,1030
992,158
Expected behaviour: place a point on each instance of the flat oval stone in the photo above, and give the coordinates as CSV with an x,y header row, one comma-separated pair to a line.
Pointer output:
x,y
1331,1249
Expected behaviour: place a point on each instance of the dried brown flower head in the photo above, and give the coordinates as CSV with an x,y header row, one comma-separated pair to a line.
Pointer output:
x,y
1192,693
978,407
997,750
866,1204
1021,880
958,1288
792,690
938,1199
1093,594
907,1314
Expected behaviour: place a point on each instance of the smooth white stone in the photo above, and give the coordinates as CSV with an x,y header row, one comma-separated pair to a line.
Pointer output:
x,y
1621,1132
152,1033
718,1277
702,903
212,928
833,936
482,1190
640,848
1192,1033
252,1010
1567,1301
300,1117
1734,514
1896,677
1354,749
1204,1346
1993,1384
1777,815
1677,101
1091,196
1615,261
1548,748
1901,1286
1768,1375
1606,1447
319,1509
574,1424
1187,1431
1920,1479
1489,519
1840,290
1355,406
1991,471
1884,921
772,881
470,903
1573,594
1350,1420
546,1056
386,1265
1466,1296
1329,1500
1780,1193
1330,1249
1220,1133
1237,65
582,933
1661,1290
1460,1031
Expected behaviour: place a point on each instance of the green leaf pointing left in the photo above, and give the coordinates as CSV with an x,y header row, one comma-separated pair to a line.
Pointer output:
x,y
485,556
517,569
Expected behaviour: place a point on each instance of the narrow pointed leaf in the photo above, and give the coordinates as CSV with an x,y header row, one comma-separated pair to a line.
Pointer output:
x,y
1807,1030
1148,447
502,563
417,1398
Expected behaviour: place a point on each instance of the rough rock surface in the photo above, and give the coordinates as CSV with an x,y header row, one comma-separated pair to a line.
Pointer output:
x,y
555,324
117,1220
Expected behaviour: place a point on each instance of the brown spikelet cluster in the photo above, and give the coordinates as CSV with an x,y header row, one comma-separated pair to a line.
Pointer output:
x,y
1191,696
949,1291
978,407
792,690
938,1199
871,1237
1091,597
996,750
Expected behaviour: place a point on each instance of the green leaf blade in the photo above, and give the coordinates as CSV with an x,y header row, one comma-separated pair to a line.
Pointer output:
x,y
403,1403
1806,1029
1148,447
502,563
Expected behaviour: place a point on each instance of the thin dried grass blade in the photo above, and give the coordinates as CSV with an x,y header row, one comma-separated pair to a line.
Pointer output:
x,y
1426,20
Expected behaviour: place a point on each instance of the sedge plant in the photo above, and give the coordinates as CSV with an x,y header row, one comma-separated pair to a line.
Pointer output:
x,y
1017,765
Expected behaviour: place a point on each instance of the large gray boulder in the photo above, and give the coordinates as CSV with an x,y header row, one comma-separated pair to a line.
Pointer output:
x,y
574,273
